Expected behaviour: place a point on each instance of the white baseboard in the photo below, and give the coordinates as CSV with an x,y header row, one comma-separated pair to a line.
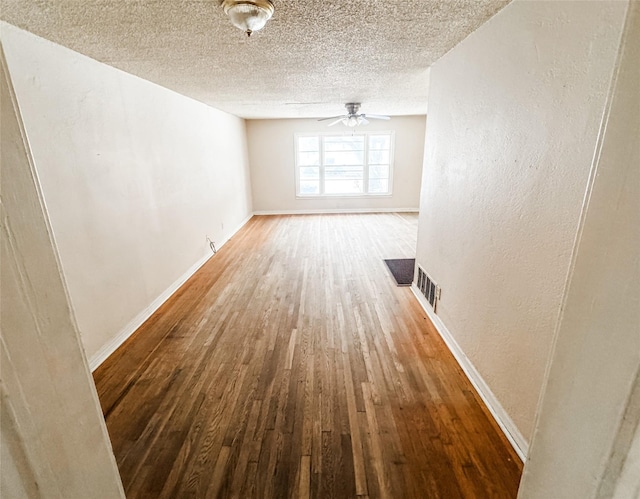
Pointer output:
x,y
234,231
139,319
506,424
336,210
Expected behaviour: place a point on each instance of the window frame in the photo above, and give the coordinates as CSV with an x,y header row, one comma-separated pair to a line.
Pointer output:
x,y
366,166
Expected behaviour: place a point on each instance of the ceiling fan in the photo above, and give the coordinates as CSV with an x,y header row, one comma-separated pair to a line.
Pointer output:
x,y
353,119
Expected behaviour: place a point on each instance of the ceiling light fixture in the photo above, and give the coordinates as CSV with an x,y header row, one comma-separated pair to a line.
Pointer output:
x,y
352,121
353,118
248,15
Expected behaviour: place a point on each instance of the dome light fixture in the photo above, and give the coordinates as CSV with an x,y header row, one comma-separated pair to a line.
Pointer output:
x,y
248,15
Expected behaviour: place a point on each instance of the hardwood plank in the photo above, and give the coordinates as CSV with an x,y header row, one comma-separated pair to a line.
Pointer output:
x,y
305,477
356,437
218,472
380,466
290,365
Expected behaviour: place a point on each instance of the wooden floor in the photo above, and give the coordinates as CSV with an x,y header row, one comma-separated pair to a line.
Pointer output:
x,y
291,365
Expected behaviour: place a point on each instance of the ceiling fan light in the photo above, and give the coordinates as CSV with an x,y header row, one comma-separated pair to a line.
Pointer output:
x,y
354,118
352,121
248,15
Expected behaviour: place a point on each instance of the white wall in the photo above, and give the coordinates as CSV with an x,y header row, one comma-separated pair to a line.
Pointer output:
x,y
54,441
272,158
514,112
581,439
134,178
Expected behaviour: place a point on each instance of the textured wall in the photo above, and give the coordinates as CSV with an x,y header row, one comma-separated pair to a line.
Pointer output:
x,y
272,158
513,118
134,177
54,440
596,358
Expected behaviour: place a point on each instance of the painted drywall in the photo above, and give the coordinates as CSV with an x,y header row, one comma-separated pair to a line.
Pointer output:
x,y
514,112
54,440
134,178
592,383
628,484
272,159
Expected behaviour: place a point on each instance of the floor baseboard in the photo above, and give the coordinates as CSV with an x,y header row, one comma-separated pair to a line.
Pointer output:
x,y
336,210
506,424
138,320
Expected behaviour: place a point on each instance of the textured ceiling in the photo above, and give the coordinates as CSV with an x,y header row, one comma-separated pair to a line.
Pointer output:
x,y
311,58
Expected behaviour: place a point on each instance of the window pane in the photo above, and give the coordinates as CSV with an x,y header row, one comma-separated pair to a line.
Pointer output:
x,y
343,172
379,171
343,186
308,158
309,187
378,157
343,169
378,185
379,141
306,144
344,158
344,143
309,173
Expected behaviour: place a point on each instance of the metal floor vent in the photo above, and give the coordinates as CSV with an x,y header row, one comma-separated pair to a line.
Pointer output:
x,y
428,288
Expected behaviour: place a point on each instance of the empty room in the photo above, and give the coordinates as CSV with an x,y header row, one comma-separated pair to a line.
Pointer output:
x,y
285,248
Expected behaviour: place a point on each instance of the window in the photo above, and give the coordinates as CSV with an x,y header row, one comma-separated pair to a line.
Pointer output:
x,y
356,164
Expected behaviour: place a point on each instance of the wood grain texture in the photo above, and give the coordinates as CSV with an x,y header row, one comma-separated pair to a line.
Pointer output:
x,y
291,365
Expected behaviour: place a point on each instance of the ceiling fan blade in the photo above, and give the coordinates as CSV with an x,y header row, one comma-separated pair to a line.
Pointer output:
x,y
333,117
378,117
336,122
